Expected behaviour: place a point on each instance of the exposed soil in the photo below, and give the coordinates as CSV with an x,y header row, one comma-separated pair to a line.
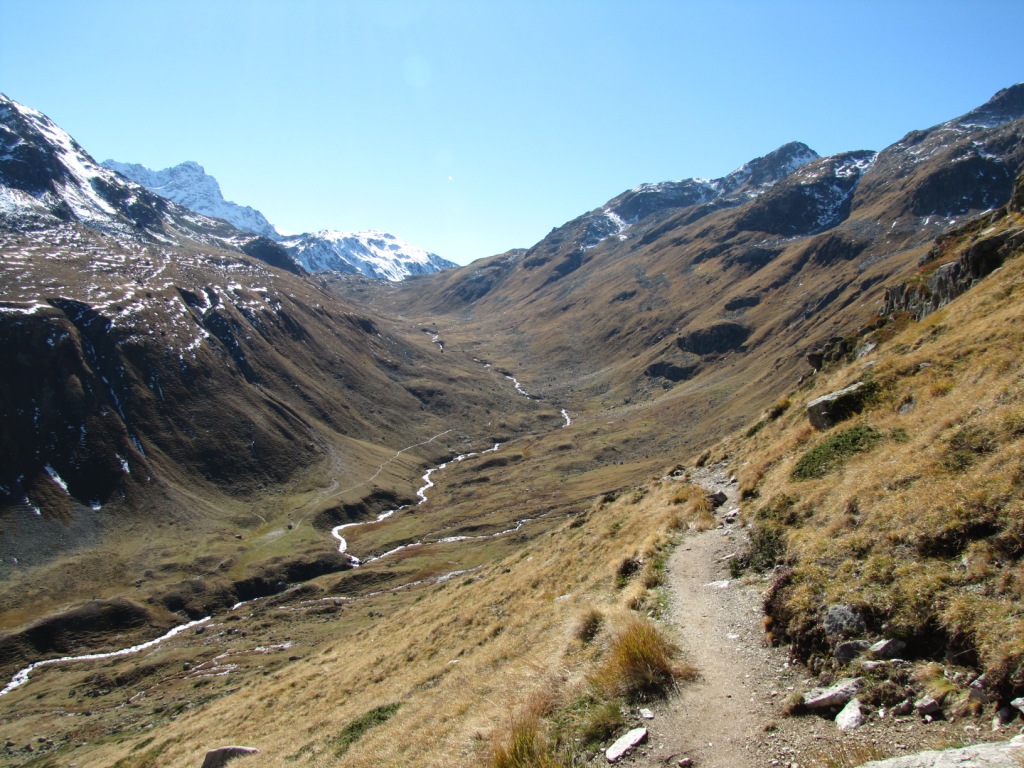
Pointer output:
x,y
731,716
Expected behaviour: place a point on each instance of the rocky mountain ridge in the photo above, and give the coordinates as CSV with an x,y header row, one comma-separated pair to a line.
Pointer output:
x,y
372,253
189,184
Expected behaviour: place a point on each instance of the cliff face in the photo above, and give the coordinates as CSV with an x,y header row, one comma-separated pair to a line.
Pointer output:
x,y
981,247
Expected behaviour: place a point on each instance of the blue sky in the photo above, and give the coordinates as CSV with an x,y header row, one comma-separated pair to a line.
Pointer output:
x,y
469,128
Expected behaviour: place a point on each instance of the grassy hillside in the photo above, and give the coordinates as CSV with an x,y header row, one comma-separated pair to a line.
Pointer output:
x,y
911,511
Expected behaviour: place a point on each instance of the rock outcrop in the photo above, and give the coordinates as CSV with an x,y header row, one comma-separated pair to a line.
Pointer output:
x,y
1004,755
828,410
217,758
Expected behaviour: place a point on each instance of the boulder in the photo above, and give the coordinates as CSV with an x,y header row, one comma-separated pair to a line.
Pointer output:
x,y
888,649
850,650
828,410
843,621
834,696
999,755
623,745
216,758
850,716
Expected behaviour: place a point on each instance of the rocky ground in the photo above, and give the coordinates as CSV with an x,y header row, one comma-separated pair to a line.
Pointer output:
x,y
732,715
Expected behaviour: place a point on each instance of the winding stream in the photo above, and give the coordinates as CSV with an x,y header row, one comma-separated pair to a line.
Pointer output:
x,y
22,676
421,493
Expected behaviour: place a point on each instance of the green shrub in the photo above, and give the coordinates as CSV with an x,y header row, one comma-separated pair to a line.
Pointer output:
x,y
832,452
967,444
355,729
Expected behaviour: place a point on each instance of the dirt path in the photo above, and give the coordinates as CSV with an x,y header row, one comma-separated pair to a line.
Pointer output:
x,y
728,718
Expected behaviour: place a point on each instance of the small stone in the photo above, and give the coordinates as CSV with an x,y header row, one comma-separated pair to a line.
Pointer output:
x,y
980,690
646,714
905,707
1006,715
850,716
621,747
686,762
717,499
887,649
870,666
1018,703
834,696
927,705
850,650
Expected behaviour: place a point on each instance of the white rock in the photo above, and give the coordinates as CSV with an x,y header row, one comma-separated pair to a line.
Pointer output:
x,y
834,696
646,714
624,744
850,716
1000,755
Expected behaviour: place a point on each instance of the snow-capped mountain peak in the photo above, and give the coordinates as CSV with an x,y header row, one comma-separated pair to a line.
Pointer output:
x,y
190,185
372,253
45,174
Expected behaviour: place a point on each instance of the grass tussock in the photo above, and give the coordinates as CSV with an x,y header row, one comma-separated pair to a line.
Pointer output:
x,y
589,624
641,663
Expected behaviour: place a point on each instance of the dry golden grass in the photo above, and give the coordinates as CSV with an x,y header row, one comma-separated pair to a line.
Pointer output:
x,y
640,662
922,526
457,657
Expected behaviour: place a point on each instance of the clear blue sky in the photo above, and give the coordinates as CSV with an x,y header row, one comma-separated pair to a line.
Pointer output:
x,y
469,128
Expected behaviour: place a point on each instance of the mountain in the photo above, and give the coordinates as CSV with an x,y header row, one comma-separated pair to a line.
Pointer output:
x,y
187,426
191,186
374,254
161,370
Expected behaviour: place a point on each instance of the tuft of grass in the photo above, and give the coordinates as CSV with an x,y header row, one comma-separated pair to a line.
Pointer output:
x,y
793,704
589,624
841,754
601,721
832,452
625,570
967,444
525,741
355,729
641,662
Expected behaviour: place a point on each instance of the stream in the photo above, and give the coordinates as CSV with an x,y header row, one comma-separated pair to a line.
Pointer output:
x,y
421,493
22,676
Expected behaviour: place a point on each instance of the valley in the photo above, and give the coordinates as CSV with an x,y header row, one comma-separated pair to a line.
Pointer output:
x,y
352,521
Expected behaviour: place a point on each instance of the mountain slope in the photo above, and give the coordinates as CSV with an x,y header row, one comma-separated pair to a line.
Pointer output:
x,y
161,375
272,407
